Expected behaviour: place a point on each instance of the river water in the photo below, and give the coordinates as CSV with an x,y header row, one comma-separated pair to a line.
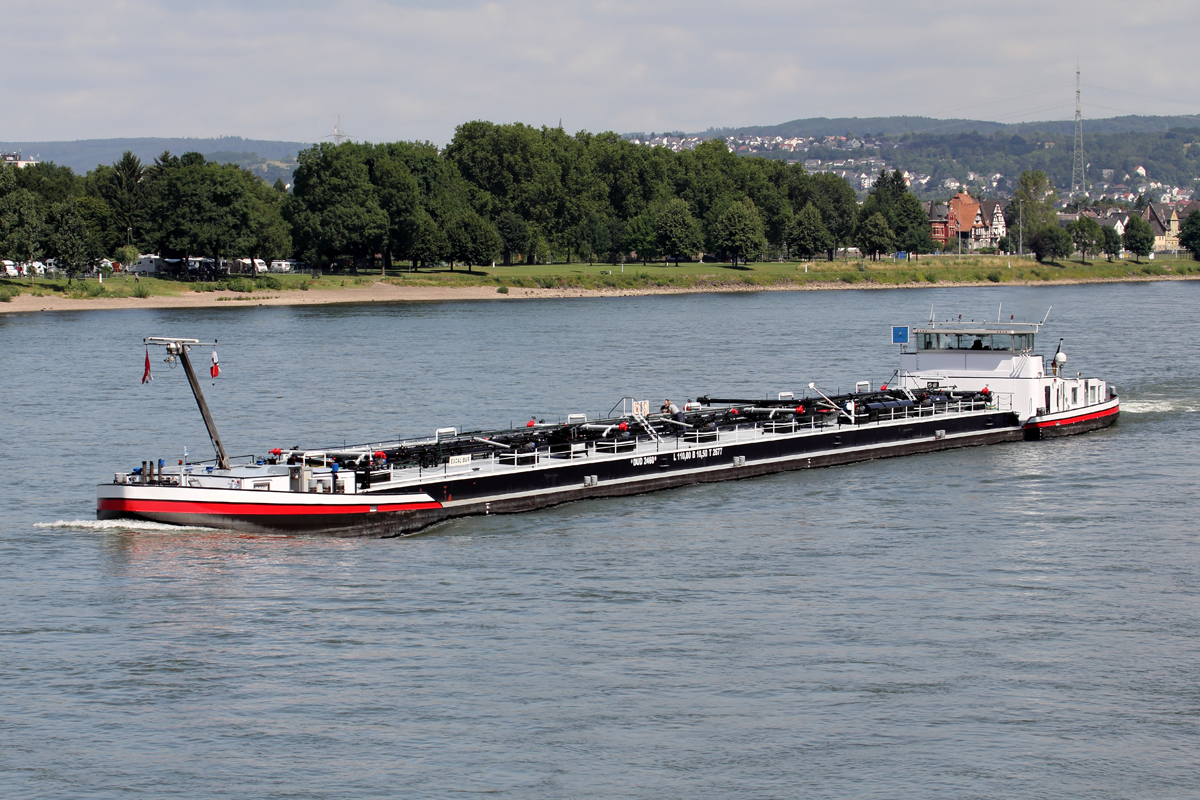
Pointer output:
x,y
1016,621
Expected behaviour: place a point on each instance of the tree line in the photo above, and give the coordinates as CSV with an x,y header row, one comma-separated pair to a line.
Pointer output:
x,y
178,206
510,193
497,192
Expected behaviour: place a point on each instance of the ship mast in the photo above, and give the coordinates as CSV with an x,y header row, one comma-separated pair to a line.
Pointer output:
x,y
179,347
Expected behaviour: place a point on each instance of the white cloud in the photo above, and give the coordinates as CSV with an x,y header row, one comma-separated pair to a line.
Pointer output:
x,y
413,70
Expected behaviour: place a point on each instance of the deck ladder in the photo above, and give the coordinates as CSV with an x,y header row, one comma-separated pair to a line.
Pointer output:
x,y
645,423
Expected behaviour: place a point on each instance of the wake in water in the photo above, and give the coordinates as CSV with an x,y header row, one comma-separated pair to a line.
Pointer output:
x,y
118,525
1164,406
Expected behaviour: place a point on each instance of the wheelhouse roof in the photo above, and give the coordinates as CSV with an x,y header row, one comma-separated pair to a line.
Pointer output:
x,y
982,328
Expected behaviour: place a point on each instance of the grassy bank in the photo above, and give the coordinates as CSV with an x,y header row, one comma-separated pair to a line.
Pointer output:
x,y
929,270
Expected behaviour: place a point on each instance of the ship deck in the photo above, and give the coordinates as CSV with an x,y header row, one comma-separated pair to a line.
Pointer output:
x,y
646,447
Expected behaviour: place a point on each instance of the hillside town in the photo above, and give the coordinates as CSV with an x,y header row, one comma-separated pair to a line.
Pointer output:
x,y
973,218
860,168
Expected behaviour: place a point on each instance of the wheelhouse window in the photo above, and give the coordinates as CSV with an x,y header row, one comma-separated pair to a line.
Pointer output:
x,y
974,341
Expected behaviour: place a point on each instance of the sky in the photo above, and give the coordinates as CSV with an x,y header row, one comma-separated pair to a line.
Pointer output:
x,y
415,69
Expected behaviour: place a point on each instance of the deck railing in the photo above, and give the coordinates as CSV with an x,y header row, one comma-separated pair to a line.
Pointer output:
x,y
641,444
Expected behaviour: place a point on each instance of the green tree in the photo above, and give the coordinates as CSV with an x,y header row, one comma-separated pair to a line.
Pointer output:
x,y
8,180
618,240
918,240
600,237
399,197
1032,207
739,231
1189,234
1139,237
542,175
333,207
641,238
22,225
430,245
1051,243
69,240
677,232
838,204
127,196
127,255
910,223
514,235
890,187
1086,234
885,198
268,236
1111,243
50,182
874,236
472,239
198,208
101,233
710,179
809,235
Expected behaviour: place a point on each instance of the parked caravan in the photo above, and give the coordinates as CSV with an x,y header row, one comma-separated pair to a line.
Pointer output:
x,y
254,266
147,264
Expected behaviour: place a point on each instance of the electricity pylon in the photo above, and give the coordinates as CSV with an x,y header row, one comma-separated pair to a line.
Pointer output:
x,y
1079,166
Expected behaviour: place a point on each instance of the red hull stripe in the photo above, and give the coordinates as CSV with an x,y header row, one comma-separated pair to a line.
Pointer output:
x,y
1072,420
247,509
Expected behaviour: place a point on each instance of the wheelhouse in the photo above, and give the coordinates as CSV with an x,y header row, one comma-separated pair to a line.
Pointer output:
x,y
975,338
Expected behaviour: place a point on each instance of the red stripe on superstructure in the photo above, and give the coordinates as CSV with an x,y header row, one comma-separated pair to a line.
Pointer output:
x,y
250,509
1072,420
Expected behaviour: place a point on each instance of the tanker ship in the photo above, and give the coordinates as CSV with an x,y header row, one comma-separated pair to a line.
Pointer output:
x,y
957,385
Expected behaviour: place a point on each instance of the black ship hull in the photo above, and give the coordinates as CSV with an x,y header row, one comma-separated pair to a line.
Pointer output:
x,y
589,477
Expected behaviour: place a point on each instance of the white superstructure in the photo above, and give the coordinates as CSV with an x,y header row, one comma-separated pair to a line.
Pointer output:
x,y
1000,357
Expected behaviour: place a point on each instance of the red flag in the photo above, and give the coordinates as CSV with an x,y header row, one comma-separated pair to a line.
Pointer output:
x,y
214,370
146,376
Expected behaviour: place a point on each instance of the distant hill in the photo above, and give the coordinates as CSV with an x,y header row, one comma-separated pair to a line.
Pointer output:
x,y
897,126
84,154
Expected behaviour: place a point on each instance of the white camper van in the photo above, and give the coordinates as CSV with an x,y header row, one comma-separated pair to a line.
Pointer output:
x,y
147,264
281,266
254,266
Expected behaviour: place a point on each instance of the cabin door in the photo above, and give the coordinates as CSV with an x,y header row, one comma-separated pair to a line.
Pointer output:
x,y
1047,399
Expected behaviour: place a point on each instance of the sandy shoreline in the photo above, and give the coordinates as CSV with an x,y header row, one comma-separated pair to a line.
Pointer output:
x,y
391,293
